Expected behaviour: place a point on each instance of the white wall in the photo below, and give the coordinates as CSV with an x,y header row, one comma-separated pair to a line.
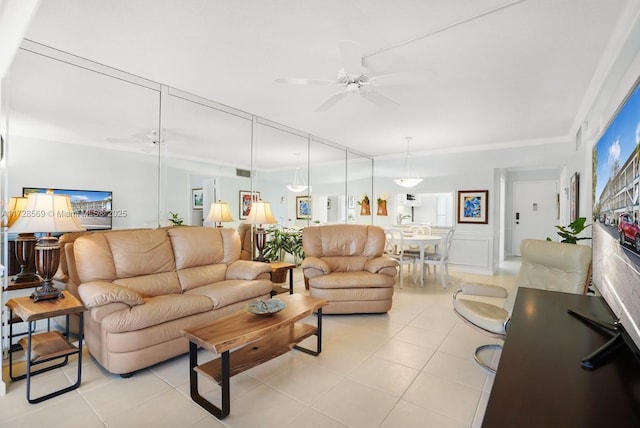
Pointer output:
x,y
132,177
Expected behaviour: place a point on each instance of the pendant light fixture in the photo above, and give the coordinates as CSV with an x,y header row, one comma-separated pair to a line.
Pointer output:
x,y
297,185
409,178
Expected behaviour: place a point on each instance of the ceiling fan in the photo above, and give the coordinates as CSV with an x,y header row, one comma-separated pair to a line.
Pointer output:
x,y
354,78
147,141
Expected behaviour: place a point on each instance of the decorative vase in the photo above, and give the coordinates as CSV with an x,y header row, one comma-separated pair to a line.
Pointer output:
x,y
365,208
382,207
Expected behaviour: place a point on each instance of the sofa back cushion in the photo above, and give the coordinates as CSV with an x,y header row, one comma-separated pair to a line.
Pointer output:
x,y
141,260
199,246
343,240
203,253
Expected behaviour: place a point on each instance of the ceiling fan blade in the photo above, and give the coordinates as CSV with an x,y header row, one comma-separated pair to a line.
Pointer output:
x,y
378,99
351,56
402,78
303,81
329,102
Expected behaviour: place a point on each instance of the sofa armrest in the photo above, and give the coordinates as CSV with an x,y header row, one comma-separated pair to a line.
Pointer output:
x,y
317,264
378,264
95,294
247,270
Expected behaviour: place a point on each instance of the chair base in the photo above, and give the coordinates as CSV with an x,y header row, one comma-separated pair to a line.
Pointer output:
x,y
483,348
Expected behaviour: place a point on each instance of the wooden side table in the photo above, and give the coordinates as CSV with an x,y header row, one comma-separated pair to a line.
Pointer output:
x,y
277,267
47,346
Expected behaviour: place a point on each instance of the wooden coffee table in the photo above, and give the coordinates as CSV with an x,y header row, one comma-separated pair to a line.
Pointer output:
x,y
245,340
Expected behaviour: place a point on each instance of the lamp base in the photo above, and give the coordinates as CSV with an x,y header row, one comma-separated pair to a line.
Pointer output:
x,y
46,292
47,261
262,259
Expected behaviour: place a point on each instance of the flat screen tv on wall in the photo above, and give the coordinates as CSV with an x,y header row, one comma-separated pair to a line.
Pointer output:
x,y
92,207
616,234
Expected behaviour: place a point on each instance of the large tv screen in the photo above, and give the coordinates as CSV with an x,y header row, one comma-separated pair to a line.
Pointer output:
x,y
616,209
92,207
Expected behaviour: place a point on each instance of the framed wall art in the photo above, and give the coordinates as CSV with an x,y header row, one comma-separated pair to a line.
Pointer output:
x,y
574,191
303,207
473,206
246,197
351,202
197,199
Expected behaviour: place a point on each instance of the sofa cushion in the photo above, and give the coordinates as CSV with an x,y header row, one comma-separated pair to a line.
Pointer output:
x,y
155,284
201,275
141,252
156,310
342,240
352,280
346,264
224,293
199,246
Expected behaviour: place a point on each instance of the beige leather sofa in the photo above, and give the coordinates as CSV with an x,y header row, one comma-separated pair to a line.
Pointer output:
x,y
345,265
142,287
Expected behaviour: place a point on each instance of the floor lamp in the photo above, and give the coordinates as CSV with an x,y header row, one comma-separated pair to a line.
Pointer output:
x,y
47,213
259,214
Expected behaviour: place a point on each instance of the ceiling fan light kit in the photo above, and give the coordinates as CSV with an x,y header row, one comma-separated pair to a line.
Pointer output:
x,y
408,179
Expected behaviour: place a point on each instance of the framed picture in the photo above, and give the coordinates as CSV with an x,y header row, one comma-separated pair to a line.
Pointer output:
x,y
303,207
473,206
351,202
246,198
574,191
196,199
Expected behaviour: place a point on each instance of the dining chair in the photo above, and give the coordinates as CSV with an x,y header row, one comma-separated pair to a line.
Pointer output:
x,y
395,248
440,259
417,230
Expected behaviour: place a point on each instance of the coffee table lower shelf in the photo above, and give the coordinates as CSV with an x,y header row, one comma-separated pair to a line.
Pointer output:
x,y
270,337
258,352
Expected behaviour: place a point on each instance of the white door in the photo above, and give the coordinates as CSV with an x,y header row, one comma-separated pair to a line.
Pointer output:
x,y
535,211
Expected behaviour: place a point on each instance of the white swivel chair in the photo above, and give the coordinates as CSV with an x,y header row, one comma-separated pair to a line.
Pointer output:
x,y
545,265
394,247
441,258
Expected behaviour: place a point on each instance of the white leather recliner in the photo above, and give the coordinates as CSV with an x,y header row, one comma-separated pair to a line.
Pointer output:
x,y
545,265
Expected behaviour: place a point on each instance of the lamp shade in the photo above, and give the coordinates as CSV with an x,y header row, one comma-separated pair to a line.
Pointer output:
x,y
45,212
409,178
14,208
408,182
219,212
260,213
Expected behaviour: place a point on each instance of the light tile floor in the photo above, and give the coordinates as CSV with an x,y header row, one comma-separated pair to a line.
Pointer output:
x,y
411,367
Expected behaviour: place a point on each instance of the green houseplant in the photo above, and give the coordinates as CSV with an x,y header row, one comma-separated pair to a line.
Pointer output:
x,y
281,241
175,219
569,234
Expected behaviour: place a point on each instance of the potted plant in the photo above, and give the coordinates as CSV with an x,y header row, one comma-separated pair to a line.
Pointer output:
x,y
175,219
282,241
569,234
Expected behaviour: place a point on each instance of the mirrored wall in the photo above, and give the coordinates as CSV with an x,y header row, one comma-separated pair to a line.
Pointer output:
x,y
74,124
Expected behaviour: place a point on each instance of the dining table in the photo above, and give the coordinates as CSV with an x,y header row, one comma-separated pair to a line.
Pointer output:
x,y
422,242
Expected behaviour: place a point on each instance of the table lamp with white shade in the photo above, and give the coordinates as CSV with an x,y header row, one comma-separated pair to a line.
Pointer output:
x,y
218,213
47,213
259,214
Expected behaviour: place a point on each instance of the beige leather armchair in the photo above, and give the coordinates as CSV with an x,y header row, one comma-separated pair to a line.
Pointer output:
x,y
345,265
246,241
545,265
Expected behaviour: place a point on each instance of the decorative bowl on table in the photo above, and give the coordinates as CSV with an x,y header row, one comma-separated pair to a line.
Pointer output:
x,y
265,307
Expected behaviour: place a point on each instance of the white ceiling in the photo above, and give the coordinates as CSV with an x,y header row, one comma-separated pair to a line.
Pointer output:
x,y
497,73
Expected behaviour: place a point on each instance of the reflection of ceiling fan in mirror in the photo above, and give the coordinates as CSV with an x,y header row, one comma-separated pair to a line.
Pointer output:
x,y
355,79
145,141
